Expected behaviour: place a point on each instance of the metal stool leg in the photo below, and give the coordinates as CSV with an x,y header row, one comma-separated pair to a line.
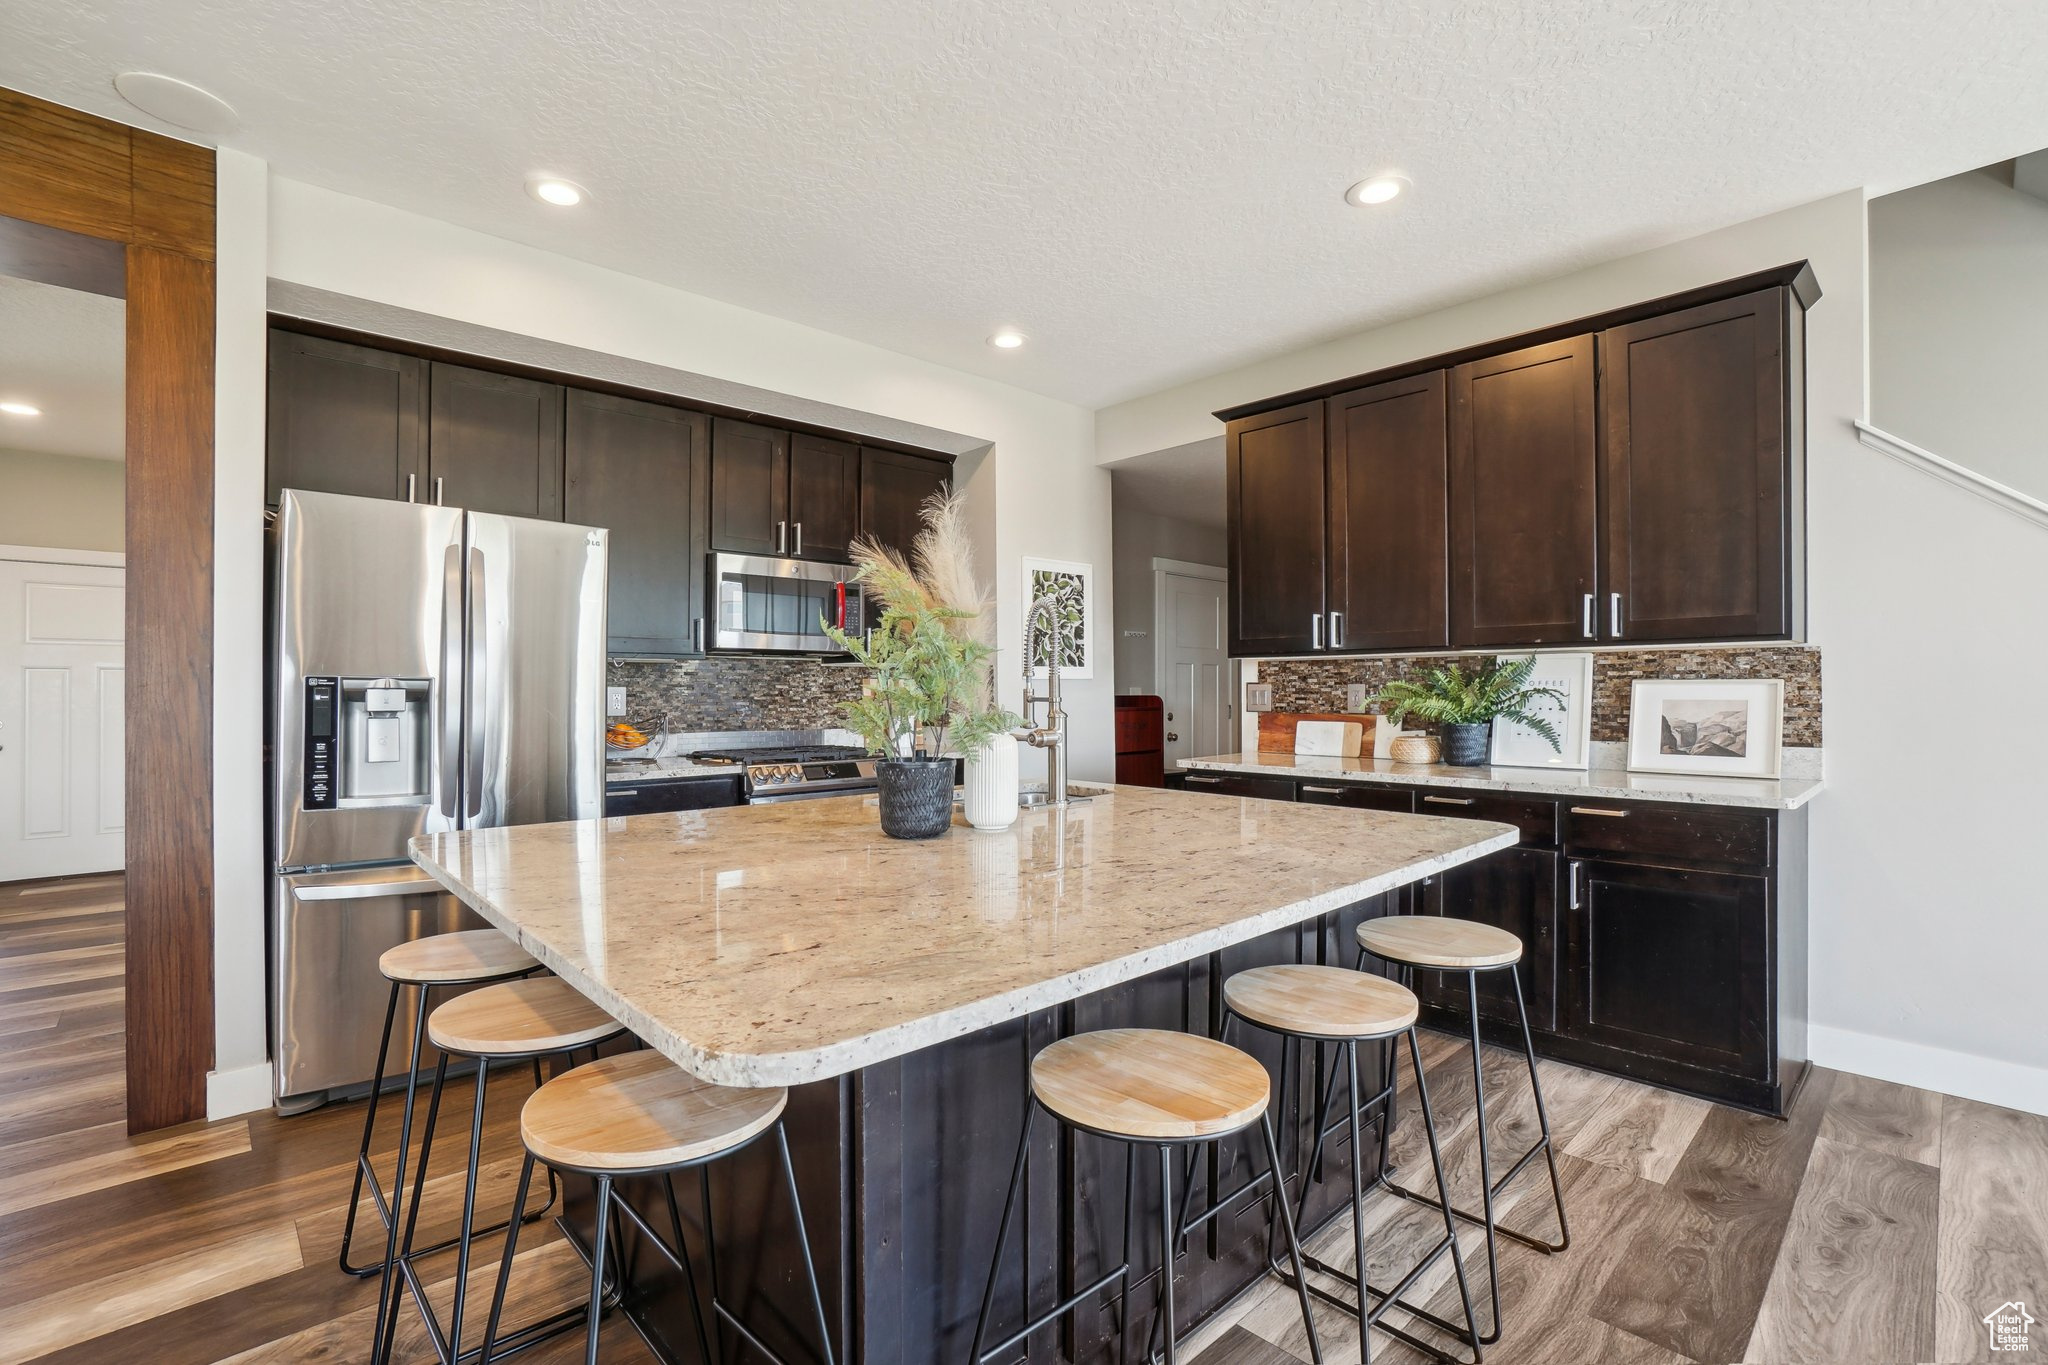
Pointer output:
x,y
1166,1249
380,1343
402,1258
597,1250
476,1148
505,1265
1308,1317
1564,1230
1436,1162
1485,1158
1358,1208
803,1242
675,1219
995,1265
363,1166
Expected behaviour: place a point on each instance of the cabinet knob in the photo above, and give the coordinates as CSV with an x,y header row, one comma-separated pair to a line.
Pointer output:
x,y
1172,737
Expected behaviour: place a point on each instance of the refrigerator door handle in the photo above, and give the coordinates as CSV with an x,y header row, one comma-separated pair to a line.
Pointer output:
x,y
448,691
476,675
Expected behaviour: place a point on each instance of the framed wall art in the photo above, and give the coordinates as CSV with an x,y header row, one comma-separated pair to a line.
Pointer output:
x,y
1706,727
1517,746
1076,585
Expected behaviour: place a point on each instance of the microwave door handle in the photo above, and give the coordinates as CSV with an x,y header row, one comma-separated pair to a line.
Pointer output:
x,y
476,672
448,690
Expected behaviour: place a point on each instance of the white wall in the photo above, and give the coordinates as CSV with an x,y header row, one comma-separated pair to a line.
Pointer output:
x,y
1959,324
1927,933
1140,537
62,502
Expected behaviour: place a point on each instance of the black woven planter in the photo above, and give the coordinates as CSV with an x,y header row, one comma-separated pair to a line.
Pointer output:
x,y
916,796
1465,746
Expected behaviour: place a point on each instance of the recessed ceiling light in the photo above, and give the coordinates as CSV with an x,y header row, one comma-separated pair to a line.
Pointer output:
x,y
13,409
1377,190
552,189
1009,339
178,102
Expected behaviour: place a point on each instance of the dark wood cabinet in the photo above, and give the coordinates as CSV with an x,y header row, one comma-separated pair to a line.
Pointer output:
x,y
1515,890
893,489
1388,565
1671,963
749,488
824,497
1242,784
1278,531
1696,474
344,418
494,443
640,471
1523,504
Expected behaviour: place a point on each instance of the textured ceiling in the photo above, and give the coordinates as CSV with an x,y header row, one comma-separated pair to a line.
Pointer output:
x,y
63,351
1150,189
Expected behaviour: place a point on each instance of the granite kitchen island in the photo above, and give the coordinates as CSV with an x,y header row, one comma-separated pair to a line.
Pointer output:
x,y
900,989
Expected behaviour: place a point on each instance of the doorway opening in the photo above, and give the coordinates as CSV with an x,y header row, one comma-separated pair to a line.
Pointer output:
x,y
63,798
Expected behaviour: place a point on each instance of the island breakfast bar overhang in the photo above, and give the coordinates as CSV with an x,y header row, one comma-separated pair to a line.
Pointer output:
x,y
901,990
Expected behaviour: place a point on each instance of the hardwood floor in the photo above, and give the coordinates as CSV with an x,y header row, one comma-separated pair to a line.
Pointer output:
x,y
1878,1224
210,1242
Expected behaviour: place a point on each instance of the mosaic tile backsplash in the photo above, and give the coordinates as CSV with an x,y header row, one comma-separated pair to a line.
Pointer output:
x,y
1318,684
736,693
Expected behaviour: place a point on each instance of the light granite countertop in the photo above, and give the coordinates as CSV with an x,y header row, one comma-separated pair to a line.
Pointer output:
x,y
1617,784
776,944
634,772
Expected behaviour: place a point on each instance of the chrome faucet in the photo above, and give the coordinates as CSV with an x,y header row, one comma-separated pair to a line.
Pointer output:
x,y
1052,735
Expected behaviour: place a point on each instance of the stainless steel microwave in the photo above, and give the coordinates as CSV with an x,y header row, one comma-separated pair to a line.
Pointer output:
x,y
763,604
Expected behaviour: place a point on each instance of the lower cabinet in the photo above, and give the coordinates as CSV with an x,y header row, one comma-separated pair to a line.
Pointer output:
x,y
1516,890
1242,784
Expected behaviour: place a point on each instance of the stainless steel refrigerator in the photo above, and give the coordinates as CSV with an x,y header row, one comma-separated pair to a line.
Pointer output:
x,y
432,669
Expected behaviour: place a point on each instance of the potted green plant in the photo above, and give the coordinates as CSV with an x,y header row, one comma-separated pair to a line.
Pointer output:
x,y
1464,705
930,694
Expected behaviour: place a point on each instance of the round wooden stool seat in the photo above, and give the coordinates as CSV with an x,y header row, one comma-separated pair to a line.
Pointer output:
x,y
1433,941
519,1019
641,1112
1150,1083
455,959
1321,1002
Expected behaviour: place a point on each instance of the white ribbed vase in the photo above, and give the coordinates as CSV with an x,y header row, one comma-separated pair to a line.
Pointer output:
x,y
992,785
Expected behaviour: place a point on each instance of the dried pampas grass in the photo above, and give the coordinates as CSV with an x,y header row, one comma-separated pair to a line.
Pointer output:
x,y
939,576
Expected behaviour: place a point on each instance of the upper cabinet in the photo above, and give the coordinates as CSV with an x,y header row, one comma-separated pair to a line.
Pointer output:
x,y
345,419
749,488
893,490
1699,486
824,497
1523,507
1632,476
1388,453
1273,469
641,471
494,443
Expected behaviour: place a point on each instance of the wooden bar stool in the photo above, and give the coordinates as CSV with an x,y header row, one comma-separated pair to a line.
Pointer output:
x,y
1306,1003
638,1114
511,1022
1142,1087
1435,943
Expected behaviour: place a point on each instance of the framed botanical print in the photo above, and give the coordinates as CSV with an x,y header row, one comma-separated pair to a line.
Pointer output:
x,y
1075,586
1717,727
1515,745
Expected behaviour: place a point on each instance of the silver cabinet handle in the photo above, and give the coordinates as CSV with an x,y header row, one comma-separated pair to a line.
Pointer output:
x,y
1451,800
438,481
412,484
1315,630
1600,810
698,630
1586,616
1205,781
782,537
1322,791
799,538
1336,630
1575,886
1614,614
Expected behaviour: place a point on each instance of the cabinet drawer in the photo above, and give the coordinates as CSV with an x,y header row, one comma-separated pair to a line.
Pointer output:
x,y
1535,817
1682,836
1356,796
1235,784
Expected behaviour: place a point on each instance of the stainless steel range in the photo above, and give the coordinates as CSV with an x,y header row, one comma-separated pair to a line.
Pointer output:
x,y
795,772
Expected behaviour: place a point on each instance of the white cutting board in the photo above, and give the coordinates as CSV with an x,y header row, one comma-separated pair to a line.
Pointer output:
x,y
1329,738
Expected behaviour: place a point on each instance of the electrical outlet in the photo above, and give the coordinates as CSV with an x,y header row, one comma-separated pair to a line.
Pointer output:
x,y
615,701
1356,696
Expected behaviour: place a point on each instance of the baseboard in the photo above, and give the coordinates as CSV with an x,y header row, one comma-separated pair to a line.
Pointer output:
x,y
2008,1084
244,1090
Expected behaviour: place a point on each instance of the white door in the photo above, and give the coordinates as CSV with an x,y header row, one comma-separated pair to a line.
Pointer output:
x,y
1195,669
61,775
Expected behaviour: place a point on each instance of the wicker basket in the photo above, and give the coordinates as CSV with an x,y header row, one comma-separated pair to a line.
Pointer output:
x,y
1415,749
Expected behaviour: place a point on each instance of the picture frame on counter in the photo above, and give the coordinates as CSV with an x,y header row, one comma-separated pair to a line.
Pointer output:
x,y
1706,726
1077,623
1515,745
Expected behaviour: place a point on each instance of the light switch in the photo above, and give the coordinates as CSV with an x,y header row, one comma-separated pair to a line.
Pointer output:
x,y
1258,696
615,701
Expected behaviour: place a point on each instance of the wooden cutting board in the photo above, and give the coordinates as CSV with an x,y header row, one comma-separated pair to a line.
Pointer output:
x,y
1276,728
